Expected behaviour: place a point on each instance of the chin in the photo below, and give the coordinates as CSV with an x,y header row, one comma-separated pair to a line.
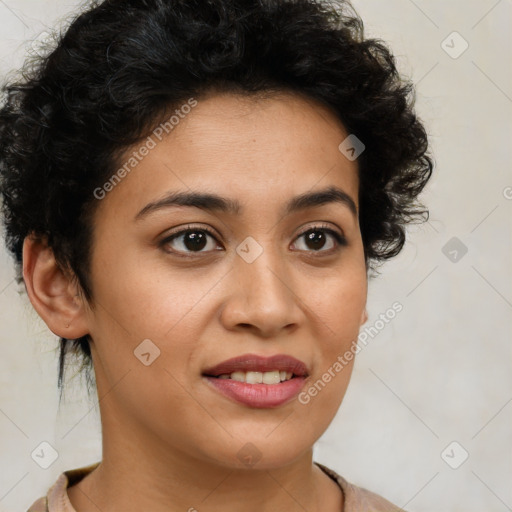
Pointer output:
x,y
261,453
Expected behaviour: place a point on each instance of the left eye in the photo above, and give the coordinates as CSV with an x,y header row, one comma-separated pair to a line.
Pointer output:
x,y
317,237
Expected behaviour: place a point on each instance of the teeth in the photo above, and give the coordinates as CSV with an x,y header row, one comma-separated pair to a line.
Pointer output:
x,y
254,377
239,376
274,377
270,377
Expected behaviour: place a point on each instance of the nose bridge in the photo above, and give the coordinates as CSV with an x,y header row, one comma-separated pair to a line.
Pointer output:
x,y
264,286
261,269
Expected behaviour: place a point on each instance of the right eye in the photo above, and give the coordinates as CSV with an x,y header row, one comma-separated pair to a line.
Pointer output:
x,y
189,241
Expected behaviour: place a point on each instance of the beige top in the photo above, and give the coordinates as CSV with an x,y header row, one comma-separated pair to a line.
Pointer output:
x,y
357,499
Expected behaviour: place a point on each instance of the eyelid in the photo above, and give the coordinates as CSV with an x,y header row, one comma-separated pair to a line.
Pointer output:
x,y
190,227
322,227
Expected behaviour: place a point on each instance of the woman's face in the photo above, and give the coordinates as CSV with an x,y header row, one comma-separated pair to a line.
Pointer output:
x,y
167,309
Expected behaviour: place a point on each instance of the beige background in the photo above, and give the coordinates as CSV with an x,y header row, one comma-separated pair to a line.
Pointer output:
x,y
439,372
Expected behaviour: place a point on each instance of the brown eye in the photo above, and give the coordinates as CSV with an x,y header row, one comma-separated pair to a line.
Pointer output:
x,y
191,240
315,239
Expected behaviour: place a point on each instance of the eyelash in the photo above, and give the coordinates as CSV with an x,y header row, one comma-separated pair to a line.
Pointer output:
x,y
340,239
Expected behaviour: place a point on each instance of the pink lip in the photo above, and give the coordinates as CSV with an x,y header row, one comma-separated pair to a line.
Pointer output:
x,y
259,395
255,363
262,396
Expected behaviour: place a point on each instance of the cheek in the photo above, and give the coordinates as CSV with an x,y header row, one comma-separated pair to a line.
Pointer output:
x,y
148,299
169,308
339,301
339,307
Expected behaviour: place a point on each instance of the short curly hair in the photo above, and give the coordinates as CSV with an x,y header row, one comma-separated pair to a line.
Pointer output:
x,y
122,64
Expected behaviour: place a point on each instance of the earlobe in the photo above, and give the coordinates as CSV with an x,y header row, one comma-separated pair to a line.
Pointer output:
x,y
364,316
52,292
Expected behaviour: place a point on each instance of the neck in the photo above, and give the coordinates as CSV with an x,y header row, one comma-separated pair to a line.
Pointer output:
x,y
137,473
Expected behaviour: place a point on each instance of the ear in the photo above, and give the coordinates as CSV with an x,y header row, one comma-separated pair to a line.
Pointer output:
x,y
53,293
364,316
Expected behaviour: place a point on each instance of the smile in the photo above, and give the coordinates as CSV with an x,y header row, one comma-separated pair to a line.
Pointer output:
x,y
257,381
273,377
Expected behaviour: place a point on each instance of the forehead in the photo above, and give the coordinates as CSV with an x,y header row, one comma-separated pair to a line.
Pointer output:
x,y
258,149
283,126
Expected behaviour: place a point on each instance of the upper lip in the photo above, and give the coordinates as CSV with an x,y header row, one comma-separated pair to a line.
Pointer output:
x,y
256,363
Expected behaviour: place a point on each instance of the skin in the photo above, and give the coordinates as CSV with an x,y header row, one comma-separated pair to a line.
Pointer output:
x,y
165,432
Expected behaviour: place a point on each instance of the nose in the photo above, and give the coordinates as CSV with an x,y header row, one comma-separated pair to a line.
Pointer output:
x,y
263,296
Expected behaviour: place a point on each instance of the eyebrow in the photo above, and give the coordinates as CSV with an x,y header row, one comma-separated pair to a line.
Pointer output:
x,y
213,202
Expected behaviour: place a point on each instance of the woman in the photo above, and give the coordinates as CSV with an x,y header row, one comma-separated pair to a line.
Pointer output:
x,y
195,193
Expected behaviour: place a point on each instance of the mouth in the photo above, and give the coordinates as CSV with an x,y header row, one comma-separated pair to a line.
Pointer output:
x,y
251,377
256,381
255,369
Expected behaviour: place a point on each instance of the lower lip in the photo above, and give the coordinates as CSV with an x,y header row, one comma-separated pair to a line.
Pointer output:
x,y
258,395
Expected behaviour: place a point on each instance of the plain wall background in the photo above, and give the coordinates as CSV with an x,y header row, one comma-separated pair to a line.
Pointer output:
x,y
439,372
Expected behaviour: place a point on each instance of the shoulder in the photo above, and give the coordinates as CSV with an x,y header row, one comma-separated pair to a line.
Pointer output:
x,y
56,499
40,505
357,498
